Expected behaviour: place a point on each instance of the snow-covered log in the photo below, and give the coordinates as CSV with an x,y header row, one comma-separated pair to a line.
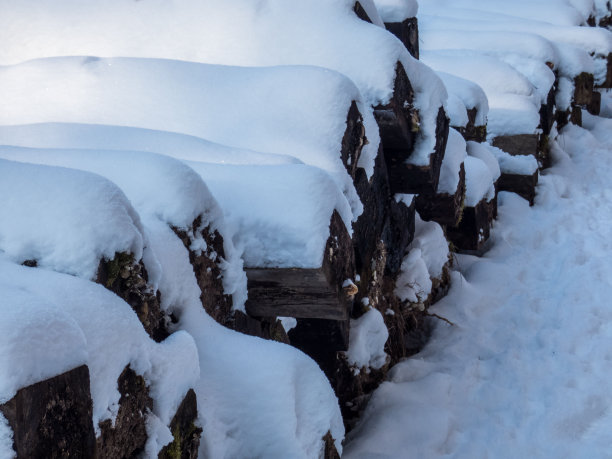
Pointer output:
x,y
472,231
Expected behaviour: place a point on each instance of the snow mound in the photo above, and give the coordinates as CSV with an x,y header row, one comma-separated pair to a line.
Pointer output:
x,y
508,164
396,10
367,341
483,152
470,95
159,187
103,332
281,213
451,164
66,220
514,102
425,261
260,115
256,398
106,137
478,181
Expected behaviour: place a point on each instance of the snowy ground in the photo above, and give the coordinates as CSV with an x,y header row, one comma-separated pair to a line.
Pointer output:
x,y
525,370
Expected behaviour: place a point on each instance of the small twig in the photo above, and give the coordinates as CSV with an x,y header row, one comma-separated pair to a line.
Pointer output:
x,y
441,318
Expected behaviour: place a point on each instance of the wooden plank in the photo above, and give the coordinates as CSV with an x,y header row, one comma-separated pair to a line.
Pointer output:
x,y
523,185
300,293
443,208
472,232
518,145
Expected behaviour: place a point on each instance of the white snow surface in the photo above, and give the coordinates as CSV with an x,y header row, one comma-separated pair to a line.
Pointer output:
x,y
396,10
100,329
427,255
469,94
106,137
258,104
158,186
524,371
478,181
281,214
453,158
66,220
513,101
483,152
6,439
429,238
256,398
367,341
508,164
234,32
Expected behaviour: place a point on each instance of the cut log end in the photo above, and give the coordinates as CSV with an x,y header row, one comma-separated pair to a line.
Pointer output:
x,y
408,33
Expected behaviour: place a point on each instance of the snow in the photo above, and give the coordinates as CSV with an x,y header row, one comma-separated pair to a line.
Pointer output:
x,y
413,283
483,152
524,370
429,238
425,261
282,408
158,187
513,101
367,341
396,10
106,137
451,164
38,341
281,213
118,92
6,439
470,94
237,32
101,331
66,220
478,182
508,164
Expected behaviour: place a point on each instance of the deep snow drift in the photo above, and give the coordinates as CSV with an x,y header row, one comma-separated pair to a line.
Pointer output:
x,y
525,370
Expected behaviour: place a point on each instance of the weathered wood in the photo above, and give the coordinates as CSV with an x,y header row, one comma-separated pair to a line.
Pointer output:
x,y
472,131
128,279
206,268
52,418
353,140
307,293
443,208
375,196
397,234
583,91
320,338
547,112
472,232
595,106
408,33
186,434
361,12
127,435
523,185
520,144
412,179
300,293
399,126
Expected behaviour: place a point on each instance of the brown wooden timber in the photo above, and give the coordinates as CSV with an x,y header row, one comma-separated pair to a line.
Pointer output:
x,y
443,208
307,293
408,33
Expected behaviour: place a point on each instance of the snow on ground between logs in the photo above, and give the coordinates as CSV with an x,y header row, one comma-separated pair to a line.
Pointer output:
x,y
526,368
